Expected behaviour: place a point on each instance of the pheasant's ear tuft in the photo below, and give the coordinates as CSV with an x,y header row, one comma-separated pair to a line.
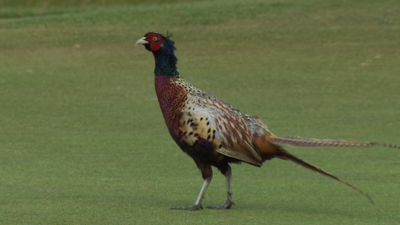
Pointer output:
x,y
170,42
169,35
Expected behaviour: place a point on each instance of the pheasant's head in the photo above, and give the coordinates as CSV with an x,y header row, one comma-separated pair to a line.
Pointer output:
x,y
163,50
155,42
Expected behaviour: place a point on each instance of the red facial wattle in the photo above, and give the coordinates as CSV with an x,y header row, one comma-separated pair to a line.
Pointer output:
x,y
155,41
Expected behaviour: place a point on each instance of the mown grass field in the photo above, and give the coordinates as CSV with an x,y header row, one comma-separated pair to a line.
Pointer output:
x,y
82,139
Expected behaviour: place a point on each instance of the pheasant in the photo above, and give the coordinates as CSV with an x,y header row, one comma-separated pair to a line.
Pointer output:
x,y
214,133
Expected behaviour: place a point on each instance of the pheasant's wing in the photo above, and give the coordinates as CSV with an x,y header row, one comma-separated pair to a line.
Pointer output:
x,y
207,118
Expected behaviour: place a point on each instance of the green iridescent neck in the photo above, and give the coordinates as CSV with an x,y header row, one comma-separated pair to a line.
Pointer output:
x,y
166,64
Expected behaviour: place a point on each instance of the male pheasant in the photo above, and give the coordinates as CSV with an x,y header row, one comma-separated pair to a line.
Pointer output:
x,y
213,132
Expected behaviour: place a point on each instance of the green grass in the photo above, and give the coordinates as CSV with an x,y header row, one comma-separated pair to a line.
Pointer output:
x,y
82,139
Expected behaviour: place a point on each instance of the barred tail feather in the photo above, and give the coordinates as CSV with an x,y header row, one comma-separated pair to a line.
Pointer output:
x,y
313,142
287,156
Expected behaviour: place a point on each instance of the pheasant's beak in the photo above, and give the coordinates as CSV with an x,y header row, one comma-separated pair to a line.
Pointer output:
x,y
142,41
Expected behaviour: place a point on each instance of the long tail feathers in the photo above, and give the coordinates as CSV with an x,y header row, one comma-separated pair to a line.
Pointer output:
x,y
312,142
288,156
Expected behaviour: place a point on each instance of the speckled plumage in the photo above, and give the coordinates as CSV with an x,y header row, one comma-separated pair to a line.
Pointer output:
x,y
213,132
207,121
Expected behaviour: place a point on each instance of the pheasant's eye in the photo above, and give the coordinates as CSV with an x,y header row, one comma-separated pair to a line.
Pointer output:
x,y
155,39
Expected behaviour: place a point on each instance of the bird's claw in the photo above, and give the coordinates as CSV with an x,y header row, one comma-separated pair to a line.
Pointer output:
x,y
190,208
228,204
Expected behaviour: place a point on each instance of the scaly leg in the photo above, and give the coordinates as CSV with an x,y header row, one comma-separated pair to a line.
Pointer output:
x,y
229,201
197,204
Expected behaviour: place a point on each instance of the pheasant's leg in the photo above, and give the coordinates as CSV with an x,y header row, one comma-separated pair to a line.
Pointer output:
x,y
207,176
197,203
229,201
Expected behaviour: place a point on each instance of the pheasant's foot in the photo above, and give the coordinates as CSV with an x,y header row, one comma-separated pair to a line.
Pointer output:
x,y
228,204
190,208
